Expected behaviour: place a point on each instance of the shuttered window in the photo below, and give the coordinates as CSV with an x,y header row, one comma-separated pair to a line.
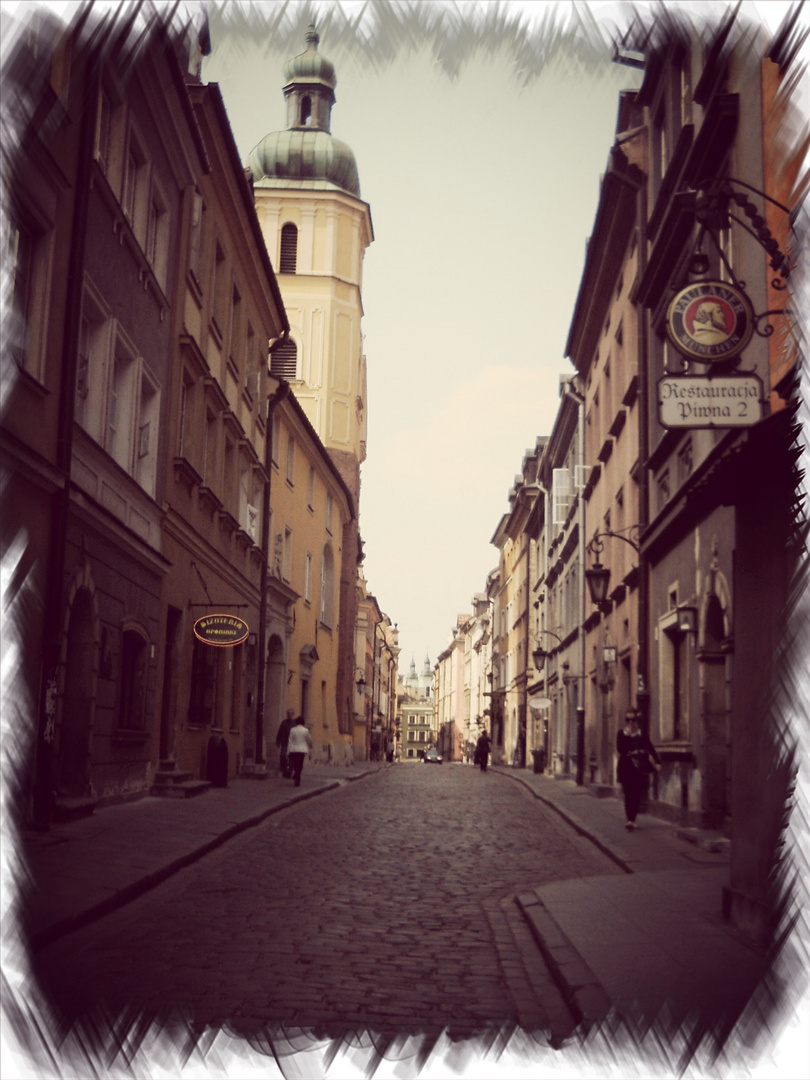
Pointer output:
x,y
289,249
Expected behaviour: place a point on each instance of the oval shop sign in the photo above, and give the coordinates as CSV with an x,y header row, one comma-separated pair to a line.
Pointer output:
x,y
221,630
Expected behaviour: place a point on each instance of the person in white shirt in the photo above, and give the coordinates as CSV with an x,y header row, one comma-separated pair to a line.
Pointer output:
x,y
299,742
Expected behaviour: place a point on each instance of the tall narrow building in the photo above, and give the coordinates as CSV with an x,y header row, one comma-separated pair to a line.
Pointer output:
x,y
317,228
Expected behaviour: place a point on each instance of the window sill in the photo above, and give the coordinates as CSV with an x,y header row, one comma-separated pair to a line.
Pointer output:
x,y
32,383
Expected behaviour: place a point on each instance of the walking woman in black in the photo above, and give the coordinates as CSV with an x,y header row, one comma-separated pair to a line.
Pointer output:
x,y
637,759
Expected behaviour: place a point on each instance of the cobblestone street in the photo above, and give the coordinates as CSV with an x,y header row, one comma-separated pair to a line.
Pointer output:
x,y
385,905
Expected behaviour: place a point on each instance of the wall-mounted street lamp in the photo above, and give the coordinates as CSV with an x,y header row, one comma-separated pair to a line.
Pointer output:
x,y
598,576
687,619
360,683
539,654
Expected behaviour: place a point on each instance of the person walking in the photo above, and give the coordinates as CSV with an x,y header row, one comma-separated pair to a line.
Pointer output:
x,y
282,739
299,742
482,751
637,759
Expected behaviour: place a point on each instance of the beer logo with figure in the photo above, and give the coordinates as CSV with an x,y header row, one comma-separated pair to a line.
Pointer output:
x,y
710,321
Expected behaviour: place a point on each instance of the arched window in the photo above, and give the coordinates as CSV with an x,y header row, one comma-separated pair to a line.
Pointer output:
x,y
327,586
306,110
284,360
289,249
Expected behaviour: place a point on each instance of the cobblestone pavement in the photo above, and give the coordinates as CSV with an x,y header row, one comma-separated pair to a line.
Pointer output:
x,y
386,906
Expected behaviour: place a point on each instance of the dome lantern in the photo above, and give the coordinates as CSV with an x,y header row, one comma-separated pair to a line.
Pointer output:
x,y
306,153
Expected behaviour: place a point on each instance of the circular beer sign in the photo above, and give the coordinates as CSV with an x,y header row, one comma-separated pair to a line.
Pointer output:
x,y
710,321
221,630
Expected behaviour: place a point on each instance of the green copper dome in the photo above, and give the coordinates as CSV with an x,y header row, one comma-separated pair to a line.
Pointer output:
x,y
301,154
310,65
306,154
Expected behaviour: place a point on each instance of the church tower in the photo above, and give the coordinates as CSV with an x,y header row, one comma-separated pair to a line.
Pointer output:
x,y
316,229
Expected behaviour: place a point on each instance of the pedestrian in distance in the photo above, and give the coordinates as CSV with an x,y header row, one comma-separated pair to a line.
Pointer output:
x,y
637,759
282,739
482,751
300,741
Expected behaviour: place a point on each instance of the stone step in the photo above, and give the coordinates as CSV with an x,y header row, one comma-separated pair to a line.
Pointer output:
x,y
183,789
164,777
70,809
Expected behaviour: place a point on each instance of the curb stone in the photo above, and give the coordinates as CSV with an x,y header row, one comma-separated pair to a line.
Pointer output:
x,y
584,994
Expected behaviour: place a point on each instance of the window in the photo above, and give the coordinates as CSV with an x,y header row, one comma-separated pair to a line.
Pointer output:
x,y
311,487
287,555
219,289
195,243
210,450
145,459
329,505
132,406
664,490
306,110
186,413
157,235
121,404
132,692
235,342
685,461
291,460
28,257
103,131
674,667
307,578
560,495
245,479
289,249
284,360
135,189
275,441
327,586
95,336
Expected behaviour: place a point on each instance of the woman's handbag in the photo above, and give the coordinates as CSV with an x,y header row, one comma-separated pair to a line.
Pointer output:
x,y
641,761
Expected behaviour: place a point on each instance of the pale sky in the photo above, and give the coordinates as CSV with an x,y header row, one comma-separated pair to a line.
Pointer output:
x,y
483,186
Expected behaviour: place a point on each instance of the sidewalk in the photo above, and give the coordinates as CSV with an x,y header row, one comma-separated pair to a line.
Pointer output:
x,y
650,942
83,869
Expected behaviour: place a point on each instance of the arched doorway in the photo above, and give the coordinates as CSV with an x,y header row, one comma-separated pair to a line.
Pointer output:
x,y
715,770
77,699
275,682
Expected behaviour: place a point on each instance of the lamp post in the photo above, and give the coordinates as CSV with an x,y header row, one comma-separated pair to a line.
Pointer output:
x,y
598,579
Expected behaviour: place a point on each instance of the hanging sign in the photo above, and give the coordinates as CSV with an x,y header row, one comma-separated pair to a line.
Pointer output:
x,y
706,401
710,321
221,630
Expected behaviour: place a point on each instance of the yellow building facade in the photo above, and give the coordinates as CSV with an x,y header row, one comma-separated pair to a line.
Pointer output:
x,y
311,508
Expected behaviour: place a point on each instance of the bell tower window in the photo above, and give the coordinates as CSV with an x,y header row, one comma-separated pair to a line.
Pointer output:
x,y
289,249
284,361
306,111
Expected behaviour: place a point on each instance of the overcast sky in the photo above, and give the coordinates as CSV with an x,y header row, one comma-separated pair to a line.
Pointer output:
x,y
480,150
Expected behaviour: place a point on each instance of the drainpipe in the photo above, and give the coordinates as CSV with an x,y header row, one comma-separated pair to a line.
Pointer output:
x,y
42,798
580,708
273,402
527,656
643,689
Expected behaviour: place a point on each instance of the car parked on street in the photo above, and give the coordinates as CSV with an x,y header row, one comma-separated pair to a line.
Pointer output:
x,y
432,757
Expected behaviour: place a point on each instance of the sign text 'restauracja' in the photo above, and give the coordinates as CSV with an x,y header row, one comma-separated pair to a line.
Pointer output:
x,y
703,401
